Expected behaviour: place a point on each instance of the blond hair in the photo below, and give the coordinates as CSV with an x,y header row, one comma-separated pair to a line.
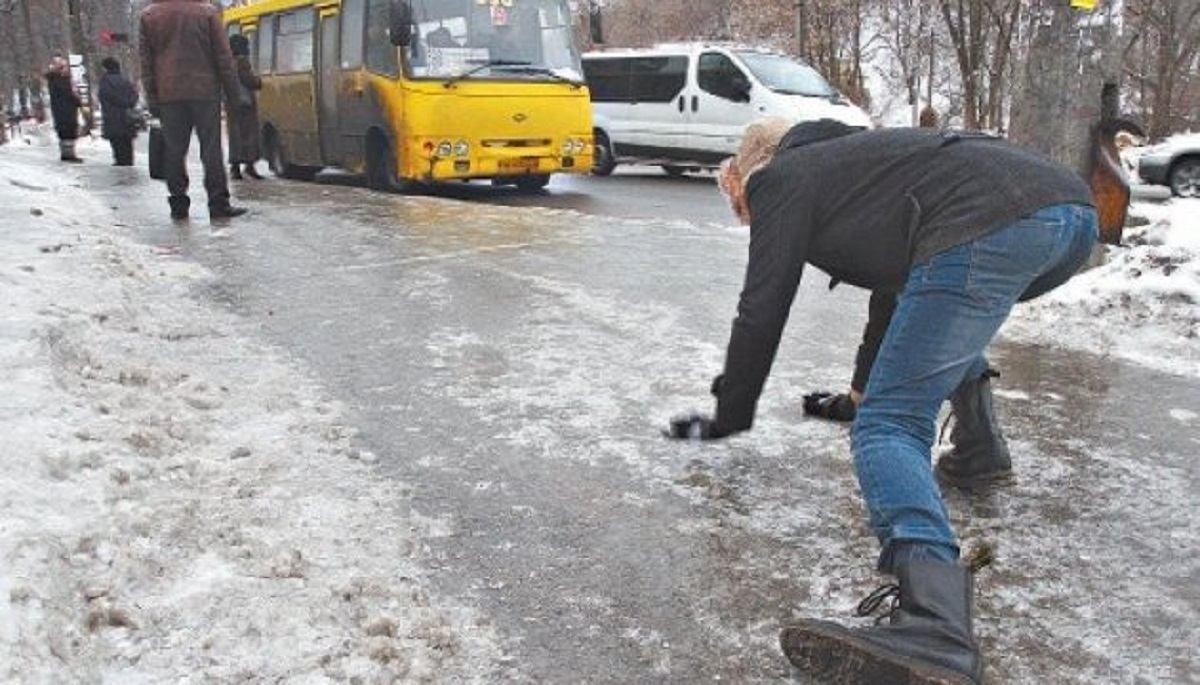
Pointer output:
x,y
759,143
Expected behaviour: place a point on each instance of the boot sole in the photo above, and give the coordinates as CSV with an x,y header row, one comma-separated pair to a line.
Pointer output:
x,y
833,654
987,480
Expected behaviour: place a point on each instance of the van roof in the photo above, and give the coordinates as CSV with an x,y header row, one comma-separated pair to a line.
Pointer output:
x,y
676,49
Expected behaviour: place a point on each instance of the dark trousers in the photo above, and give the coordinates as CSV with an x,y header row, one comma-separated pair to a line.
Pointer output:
x,y
179,119
122,149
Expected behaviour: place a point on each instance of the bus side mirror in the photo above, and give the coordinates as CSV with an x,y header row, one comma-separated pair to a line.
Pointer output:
x,y
400,23
596,24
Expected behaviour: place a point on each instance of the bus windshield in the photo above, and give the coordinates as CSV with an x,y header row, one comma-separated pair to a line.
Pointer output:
x,y
785,75
493,39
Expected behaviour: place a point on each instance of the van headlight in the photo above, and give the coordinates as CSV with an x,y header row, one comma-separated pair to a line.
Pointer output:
x,y
445,149
462,149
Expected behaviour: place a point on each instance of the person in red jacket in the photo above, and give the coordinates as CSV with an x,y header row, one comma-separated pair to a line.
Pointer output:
x,y
186,65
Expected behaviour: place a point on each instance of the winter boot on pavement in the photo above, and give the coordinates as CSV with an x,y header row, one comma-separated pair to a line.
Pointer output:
x,y
179,207
226,211
235,172
66,150
251,172
980,455
927,641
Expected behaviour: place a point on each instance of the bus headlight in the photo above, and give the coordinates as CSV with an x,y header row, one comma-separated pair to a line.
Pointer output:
x,y
580,146
445,149
462,149
568,147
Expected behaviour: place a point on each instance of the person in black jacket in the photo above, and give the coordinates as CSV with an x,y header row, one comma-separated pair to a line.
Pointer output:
x,y
64,105
118,97
963,226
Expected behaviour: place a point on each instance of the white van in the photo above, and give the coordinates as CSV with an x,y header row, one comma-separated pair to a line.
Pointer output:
x,y
684,107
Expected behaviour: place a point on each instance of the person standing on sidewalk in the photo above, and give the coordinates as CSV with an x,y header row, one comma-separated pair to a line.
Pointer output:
x,y
64,105
118,97
244,147
963,226
186,64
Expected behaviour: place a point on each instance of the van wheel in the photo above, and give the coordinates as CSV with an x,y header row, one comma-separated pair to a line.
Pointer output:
x,y
675,171
1185,177
381,167
534,183
280,166
604,162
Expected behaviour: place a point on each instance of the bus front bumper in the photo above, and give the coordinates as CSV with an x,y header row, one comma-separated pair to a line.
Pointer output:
x,y
509,166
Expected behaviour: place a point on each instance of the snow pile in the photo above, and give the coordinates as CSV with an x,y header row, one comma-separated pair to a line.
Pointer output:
x,y
179,502
1143,304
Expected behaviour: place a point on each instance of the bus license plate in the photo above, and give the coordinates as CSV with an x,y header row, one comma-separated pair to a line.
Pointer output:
x,y
524,164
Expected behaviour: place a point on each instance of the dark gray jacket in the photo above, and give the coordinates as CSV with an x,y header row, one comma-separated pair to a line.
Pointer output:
x,y
865,208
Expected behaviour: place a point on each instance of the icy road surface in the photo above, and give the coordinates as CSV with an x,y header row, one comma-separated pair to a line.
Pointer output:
x,y
513,367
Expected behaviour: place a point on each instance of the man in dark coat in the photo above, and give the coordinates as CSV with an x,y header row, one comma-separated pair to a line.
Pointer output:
x,y
118,97
963,226
186,64
244,147
64,105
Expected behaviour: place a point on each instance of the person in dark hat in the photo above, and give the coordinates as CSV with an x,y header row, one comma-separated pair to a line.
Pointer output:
x,y
64,105
963,226
245,148
118,97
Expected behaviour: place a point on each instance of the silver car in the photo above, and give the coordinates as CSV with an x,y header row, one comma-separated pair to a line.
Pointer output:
x,y
1174,163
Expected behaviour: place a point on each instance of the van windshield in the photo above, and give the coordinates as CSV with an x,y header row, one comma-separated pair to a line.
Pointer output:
x,y
509,40
786,75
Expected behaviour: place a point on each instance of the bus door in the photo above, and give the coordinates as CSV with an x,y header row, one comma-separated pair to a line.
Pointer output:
x,y
328,78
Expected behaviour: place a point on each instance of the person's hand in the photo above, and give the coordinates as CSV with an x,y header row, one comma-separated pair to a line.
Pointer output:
x,y
155,111
829,406
694,427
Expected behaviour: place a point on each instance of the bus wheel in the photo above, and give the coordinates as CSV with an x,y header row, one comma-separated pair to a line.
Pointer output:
x,y
534,183
381,168
280,165
604,162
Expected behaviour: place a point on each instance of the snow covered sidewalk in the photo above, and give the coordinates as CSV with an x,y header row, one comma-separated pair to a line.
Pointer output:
x,y
1142,305
178,502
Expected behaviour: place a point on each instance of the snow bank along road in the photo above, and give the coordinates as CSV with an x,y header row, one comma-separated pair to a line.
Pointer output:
x,y
179,502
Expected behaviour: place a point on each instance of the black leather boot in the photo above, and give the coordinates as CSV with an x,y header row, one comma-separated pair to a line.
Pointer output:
x,y
928,640
235,172
980,455
179,207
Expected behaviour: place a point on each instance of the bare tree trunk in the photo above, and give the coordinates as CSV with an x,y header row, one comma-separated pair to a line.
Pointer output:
x,y
1071,57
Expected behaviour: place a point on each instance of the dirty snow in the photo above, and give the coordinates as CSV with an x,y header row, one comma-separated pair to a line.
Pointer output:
x,y
1143,304
181,502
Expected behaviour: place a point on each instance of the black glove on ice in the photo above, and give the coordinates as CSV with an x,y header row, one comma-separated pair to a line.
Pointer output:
x,y
694,427
826,405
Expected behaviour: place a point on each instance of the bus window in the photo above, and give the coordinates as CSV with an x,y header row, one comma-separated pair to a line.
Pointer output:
x,y
266,44
381,54
534,36
353,12
294,43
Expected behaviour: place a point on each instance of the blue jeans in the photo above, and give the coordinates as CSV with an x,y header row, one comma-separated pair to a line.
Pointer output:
x,y
950,310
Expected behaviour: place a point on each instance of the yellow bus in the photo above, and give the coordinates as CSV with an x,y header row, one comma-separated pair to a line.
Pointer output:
x,y
410,92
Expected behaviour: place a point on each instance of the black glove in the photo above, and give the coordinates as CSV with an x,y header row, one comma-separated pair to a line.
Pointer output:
x,y
694,427
826,405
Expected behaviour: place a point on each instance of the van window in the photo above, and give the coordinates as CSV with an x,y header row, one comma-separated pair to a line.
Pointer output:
x,y
266,44
609,80
720,76
353,12
294,42
658,79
